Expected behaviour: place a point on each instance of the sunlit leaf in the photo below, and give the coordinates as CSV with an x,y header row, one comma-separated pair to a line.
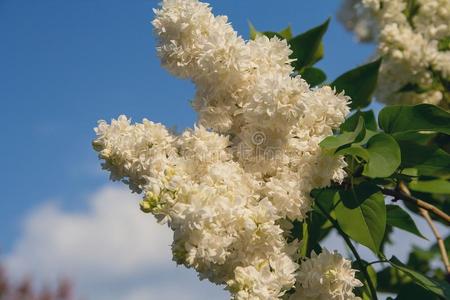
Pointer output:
x,y
384,156
436,186
331,143
366,223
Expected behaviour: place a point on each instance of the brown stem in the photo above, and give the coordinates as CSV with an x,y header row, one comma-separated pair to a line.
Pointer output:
x,y
439,239
426,215
404,194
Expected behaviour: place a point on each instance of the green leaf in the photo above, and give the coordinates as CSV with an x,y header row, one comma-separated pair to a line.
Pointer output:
x,y
331,143
429,160
422,117
305,238
367,137
399,218
415,292
366,223
356,196
326,197
318,229
442,289
359,83
355,151
444,44
412,87
364,291
390,280
253,32
369,121
313,76
384,156
319,54
271,34
286,33
283,34
306,47
436,186
412,7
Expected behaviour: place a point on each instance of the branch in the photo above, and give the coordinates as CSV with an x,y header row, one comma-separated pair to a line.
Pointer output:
x,y
404,195
426,215
439,239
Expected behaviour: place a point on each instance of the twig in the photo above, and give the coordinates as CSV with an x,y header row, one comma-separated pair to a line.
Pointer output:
x,y
426,215
404,195
358,258
439,239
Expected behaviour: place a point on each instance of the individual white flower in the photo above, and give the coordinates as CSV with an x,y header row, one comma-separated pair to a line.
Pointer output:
x,y
326,276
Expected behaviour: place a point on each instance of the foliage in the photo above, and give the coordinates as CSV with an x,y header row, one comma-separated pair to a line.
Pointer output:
x,y
407,145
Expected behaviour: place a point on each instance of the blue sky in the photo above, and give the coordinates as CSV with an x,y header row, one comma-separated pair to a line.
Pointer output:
x,y
66,64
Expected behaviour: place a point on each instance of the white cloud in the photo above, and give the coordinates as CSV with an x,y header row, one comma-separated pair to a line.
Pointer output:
x,y
112,251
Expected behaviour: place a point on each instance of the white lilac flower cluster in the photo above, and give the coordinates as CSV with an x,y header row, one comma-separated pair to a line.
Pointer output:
x,y
226,186
325,276
413,39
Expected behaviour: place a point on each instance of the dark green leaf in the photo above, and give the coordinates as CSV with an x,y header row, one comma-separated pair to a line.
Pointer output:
x,y
442,289
423,138
422,117
390,280
369,121
444,44
384,156
356,196
429,160
366,223
415,292
271,34
399,218
318,229
326,197
436,186
419,260
412,87
306,47
331,143
359,83
313,76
